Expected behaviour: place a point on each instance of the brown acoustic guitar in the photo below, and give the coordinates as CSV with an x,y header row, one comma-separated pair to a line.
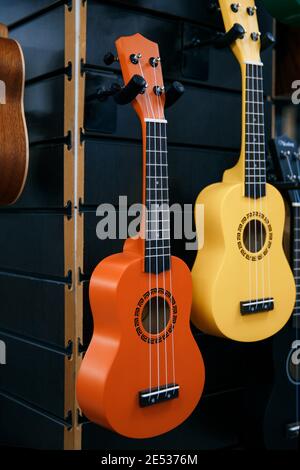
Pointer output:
x,y
13,131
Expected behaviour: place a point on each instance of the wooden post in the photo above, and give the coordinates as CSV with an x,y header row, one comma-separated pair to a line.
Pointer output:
x,y
75,50
3,31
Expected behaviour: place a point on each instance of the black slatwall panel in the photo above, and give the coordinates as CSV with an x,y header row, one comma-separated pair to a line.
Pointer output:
x,y
31,263
32,278
204,139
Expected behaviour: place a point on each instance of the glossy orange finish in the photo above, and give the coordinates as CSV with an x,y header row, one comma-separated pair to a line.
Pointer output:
x,y
116,365
122,358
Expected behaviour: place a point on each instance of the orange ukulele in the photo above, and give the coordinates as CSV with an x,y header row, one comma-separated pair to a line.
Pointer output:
x,y
143,374
13,132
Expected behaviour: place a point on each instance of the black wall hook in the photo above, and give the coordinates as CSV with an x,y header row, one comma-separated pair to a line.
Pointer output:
x,y
121,95
220,40
267,40
173,94
224,40
128,93
213,6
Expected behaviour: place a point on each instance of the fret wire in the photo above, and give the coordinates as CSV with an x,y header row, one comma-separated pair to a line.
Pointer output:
x,y
158,255
255,133
149,240
156,177
256,177
157,164
165,247
156,137
157,189
160,210
157,239
161,200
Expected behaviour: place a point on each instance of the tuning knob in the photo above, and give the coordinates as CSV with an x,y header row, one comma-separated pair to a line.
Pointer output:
x,y
251,10
135,58
109,58
154,61
235,7
255,36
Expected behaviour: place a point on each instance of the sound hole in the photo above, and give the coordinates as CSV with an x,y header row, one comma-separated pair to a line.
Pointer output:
x,y
156,315
254,236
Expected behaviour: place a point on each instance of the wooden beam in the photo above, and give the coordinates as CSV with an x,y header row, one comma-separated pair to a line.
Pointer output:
x,y
3,31
75,50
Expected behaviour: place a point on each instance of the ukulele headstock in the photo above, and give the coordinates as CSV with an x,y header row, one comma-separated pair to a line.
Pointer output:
x,y
139,56
287,162
243,12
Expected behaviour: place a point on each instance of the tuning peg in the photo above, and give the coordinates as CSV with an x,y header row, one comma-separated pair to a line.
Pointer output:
x,y
267,40
135,58
173,94
251,10
154,61
235,7
236,32
110,58
128,93
121,95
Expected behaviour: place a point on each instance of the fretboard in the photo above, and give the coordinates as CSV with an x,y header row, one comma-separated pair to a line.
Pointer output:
x,y
157,226
296,262
255,159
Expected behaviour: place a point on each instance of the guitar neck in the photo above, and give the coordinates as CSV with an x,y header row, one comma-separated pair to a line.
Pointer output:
x,y
253,131
156,196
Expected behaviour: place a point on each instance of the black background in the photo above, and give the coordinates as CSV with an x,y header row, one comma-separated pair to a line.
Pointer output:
x,y
204,139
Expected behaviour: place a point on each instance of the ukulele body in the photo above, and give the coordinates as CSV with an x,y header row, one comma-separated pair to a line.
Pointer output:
x,y
226,273
282,412
13,131
116,367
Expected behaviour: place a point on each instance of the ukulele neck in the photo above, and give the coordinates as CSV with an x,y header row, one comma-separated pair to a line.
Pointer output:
x,y
253,131
156,197
296,261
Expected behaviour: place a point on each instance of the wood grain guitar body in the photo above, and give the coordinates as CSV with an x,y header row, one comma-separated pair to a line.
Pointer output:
x,y
13,132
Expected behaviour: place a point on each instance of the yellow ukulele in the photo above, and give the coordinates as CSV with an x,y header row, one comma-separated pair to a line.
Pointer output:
x,y
243,287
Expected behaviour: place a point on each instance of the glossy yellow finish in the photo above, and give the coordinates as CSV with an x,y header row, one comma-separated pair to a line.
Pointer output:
x,y
245,50
225,273
223,277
